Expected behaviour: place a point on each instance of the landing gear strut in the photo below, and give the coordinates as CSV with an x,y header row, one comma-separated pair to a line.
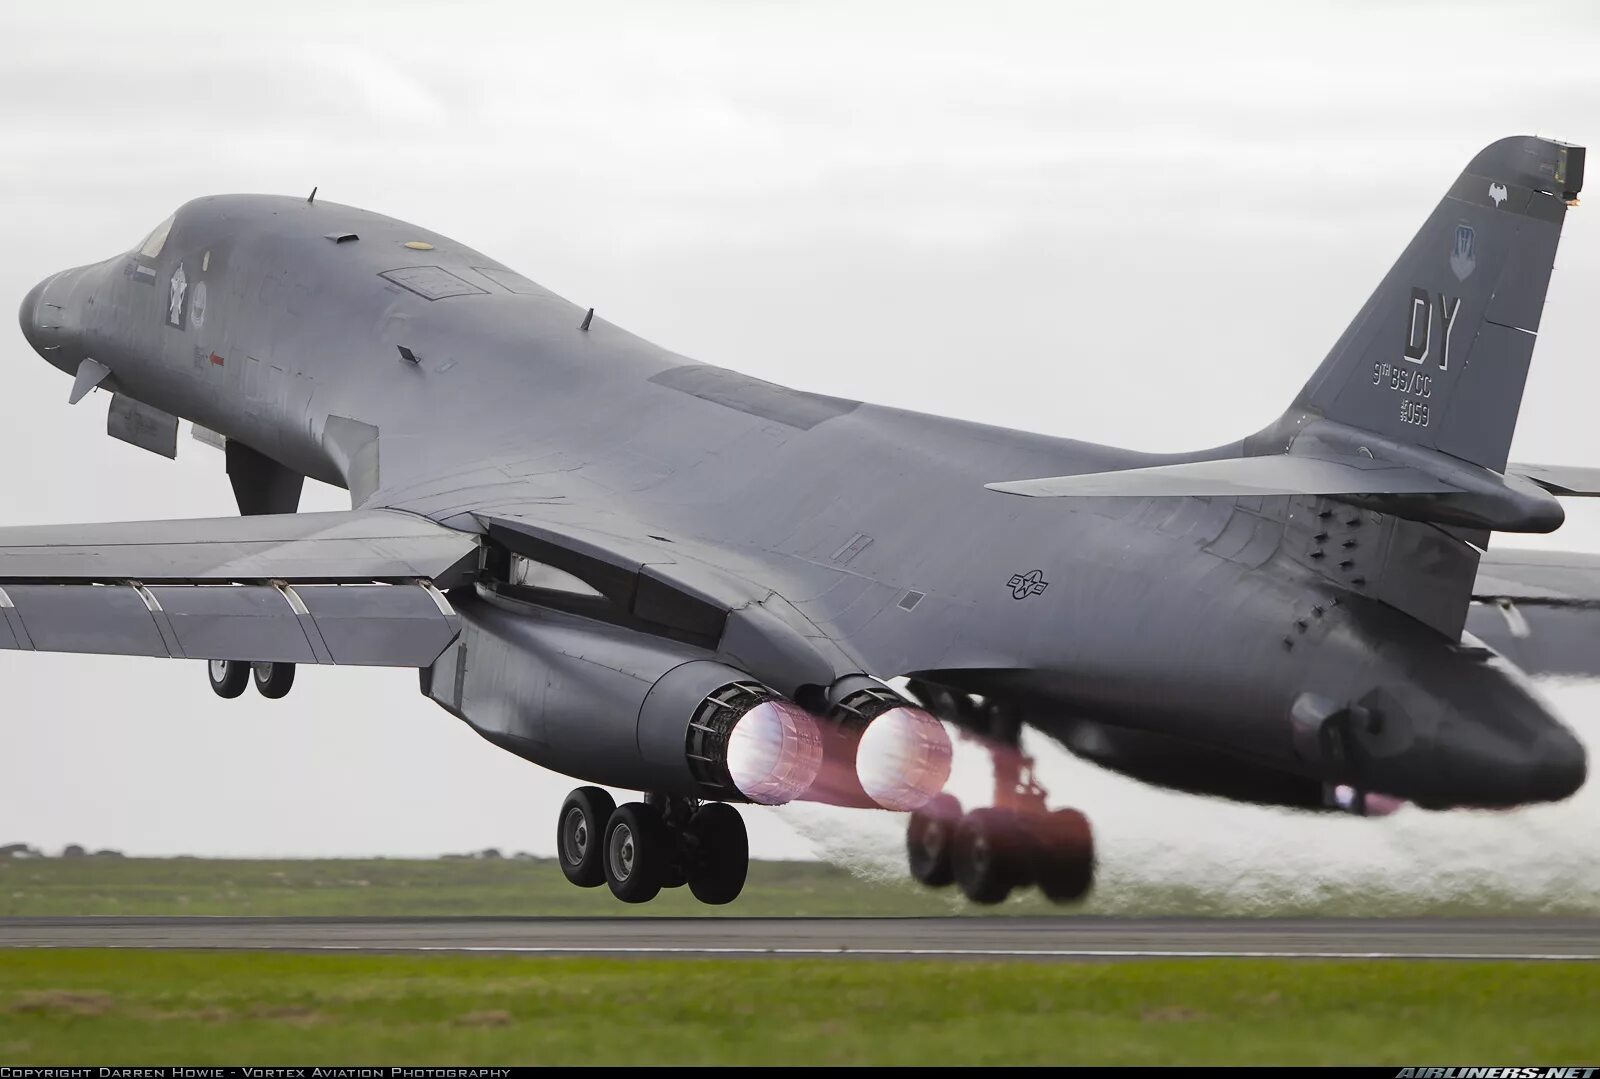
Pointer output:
x,y
639,848
1018,841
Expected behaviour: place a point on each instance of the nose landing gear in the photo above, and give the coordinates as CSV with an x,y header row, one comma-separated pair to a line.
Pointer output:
x,y
990,852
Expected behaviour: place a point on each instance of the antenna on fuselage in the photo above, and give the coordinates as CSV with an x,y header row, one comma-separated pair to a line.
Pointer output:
x,y
312,197
586,319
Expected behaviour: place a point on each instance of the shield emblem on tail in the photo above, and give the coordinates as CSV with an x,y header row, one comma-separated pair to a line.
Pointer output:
x,y
1463,257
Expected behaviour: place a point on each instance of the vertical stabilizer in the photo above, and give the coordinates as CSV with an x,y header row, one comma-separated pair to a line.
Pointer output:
x,y
1438,355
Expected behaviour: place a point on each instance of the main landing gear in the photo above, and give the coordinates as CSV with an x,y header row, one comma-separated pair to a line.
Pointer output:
x,y
1018,841
642,847
229,677
991,851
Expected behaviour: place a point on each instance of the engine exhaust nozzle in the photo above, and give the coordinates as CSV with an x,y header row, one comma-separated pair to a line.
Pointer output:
x,y
774,752
903,759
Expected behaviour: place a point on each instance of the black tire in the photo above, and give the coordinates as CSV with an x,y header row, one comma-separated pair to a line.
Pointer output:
x,y
229,677
637,853
580,832
930,839
721,854
1064,856
985,856
273,680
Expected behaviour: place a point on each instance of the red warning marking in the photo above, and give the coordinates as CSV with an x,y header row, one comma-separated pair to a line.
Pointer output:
x,y
217,360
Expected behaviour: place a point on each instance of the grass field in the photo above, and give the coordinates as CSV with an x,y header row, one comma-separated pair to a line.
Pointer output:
x,y
397,887
86,1006
92,1007
400,887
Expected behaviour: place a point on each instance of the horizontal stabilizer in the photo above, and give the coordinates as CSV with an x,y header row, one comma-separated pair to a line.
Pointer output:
x,y
1571,481
1541,610
1276,474
1566,578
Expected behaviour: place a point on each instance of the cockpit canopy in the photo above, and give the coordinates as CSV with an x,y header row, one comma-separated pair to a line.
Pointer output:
x,y
153,243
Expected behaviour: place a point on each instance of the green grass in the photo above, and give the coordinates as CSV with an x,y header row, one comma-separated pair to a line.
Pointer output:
x,y
98,1007
383,887
398,887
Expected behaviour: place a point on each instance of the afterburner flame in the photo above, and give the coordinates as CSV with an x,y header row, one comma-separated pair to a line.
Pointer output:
x,y
774,752
903,759
1374,805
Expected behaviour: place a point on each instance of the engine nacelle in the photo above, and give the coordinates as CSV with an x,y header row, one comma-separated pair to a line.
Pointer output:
x,y
621,709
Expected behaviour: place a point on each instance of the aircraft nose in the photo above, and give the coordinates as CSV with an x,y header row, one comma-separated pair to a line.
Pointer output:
x,y
51,317
1557,766
28,315
1486,767
1465,729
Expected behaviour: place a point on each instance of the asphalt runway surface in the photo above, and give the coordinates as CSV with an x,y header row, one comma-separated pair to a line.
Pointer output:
x,y
977,938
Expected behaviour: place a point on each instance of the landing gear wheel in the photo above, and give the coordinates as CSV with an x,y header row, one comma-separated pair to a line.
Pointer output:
x,y
579,831
1064,856
638,852
985,857
274,680
721,857
930,837
228,676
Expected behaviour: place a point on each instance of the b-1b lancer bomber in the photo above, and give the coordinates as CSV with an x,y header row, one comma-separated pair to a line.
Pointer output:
x,y
662,576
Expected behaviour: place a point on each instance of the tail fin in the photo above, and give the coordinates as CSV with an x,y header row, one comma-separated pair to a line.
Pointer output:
x,y
1420,395
1438,356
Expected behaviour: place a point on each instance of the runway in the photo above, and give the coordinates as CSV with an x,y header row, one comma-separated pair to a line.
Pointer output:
x,y
881,938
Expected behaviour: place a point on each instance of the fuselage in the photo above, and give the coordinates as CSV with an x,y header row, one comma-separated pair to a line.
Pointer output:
x,y
424,376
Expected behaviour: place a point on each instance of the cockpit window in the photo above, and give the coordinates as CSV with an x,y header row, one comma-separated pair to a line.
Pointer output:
x,y
157,239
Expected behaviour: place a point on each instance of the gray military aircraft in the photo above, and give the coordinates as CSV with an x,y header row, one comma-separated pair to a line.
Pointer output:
x,y
658,575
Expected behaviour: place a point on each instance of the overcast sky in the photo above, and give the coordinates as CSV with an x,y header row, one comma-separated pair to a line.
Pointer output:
x,y
1141,224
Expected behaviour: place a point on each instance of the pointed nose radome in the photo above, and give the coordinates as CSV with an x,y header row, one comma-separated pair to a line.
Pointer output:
x,y
1557,766
1483,769
28,314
